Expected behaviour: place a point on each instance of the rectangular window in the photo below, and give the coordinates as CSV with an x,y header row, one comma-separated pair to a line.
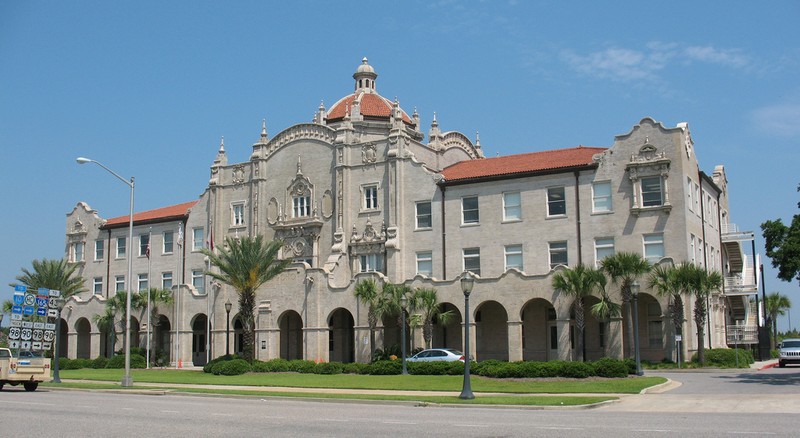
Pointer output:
x,y
653,247
301,206
198,280
99,250
603,248
469,210
166,280
697,199
370,197
97,285
558,254
651,191
513,255
424,219
654,334
119,283
689,193
512,207
237,214
121,247
77,251
168,242
371,263
556,201
472,260
143,282
601,197
691,248
144,245
197,239
425,263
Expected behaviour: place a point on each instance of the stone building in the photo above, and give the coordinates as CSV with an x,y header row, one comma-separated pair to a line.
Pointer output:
x,y
359,193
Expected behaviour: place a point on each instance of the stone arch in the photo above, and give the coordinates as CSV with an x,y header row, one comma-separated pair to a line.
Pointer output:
x,y
450,335
83,329
341,336
290,324
63,344
539,330
491,331
135,332
596,333
238,335
199,334
161,349
651,328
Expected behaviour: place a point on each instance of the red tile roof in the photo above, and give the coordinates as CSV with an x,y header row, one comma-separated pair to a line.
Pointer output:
x,y
159,214
371,105
521,163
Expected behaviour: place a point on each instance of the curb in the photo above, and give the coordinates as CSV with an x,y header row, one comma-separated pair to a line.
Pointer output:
x,y
768,366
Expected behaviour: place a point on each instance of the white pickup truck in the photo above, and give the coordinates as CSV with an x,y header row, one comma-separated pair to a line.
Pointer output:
x,y
28,371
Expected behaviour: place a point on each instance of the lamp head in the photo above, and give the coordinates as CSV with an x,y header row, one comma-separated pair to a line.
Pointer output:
x,y
403,301
635,287
228,306
467,281
82,160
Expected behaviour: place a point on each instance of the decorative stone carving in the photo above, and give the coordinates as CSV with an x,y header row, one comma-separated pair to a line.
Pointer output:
x,y
238,174
327,205
369,154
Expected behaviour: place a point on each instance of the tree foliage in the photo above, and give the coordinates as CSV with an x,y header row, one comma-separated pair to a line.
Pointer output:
x,y
776,304
624,268
579,282
783,246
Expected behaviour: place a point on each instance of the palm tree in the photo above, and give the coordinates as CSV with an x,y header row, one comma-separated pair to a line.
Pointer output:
x,y
579,282
116,312
664,279
604,310
624,268
366,292
776,305
157,296
700,283
425,300
245,264
52,274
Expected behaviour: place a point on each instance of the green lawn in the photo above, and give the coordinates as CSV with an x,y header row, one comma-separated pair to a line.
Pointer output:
x,y
631,385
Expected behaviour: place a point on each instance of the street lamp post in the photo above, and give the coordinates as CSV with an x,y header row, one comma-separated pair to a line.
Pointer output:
x,y
127,380
228,306
59,307
467,282
403,304
635,292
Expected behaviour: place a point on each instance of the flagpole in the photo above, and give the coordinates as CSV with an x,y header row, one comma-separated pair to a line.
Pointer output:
x,y
178,294
149,284
210,246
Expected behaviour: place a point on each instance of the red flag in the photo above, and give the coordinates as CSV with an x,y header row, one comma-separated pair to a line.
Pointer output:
x,y
147,250
210,241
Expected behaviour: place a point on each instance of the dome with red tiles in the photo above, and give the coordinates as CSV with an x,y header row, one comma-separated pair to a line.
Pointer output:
x,y
365,102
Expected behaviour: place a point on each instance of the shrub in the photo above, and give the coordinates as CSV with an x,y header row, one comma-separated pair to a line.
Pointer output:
x,y
726,357
208,366
355,368
385,368
329,368
534,369
232,367
607,367
118,362
302,366
99,362
576,370
436,368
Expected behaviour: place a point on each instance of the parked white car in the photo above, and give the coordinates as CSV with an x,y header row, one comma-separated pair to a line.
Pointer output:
x,y
437,354
789,352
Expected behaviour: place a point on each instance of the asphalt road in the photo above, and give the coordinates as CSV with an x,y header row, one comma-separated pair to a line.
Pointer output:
x,y
700,406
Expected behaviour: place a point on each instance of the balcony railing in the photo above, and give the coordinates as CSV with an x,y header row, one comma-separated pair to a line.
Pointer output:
x,y
743,284
742,334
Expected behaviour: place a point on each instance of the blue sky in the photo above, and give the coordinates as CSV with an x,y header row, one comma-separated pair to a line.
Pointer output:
x,y
149,87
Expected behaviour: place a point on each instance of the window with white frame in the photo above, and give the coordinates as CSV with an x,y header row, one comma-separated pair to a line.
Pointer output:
x,y
99,250
425,263
512,206
469,210
690,193
558,254
144,245
424,219
97,285
197,239
143,282
301,205
237,214
472,260
513,256
603,247
601,197
119,283
371,263
697,199
556,201
652,194
198,280
371,197
121,241
653,247
77,251
166,280
691,249
166,247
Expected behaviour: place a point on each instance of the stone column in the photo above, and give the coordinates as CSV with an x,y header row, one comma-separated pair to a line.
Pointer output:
x,y
564,349
514,341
